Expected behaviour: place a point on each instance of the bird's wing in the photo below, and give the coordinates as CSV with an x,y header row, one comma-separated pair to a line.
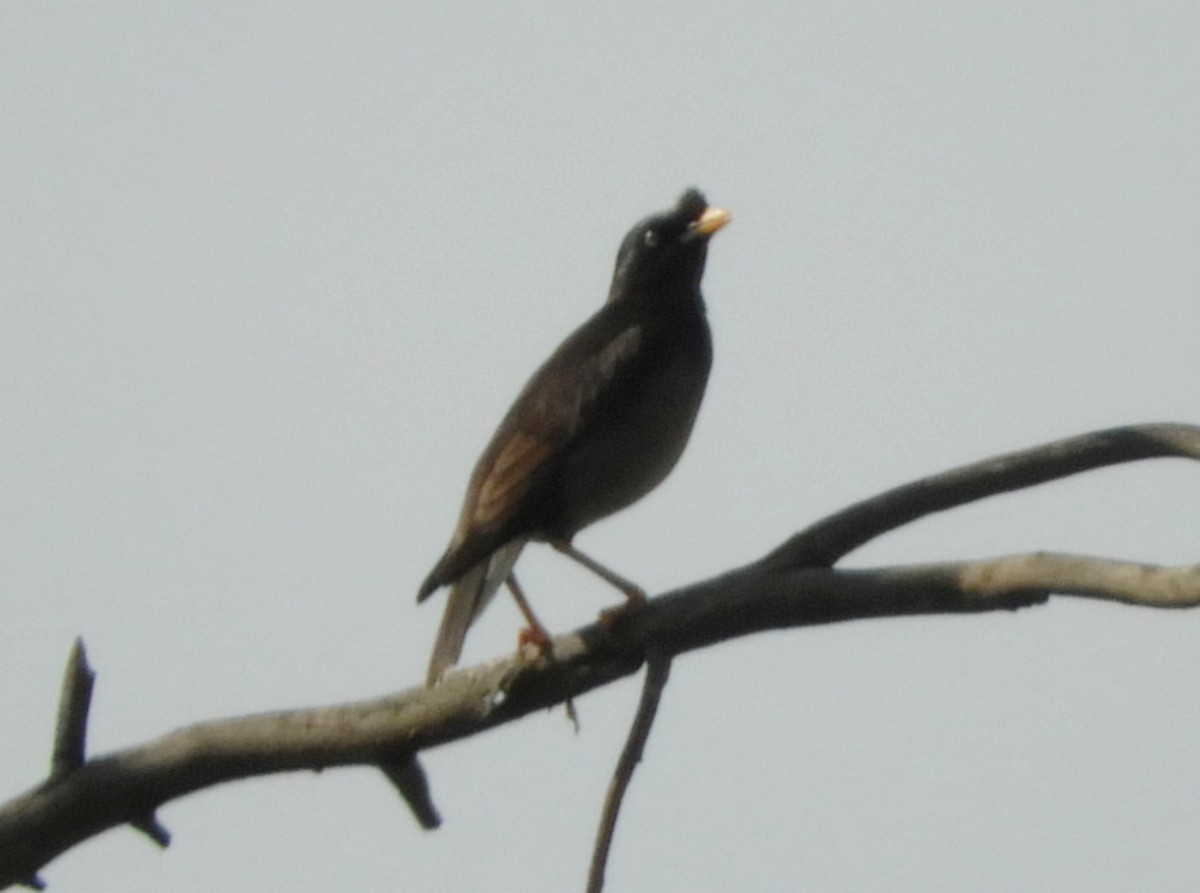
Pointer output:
x,y
542,423
509,475
536,432
544,420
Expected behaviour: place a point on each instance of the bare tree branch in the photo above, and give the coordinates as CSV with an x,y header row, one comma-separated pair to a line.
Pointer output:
x,y
831,539
788,588
125,787
70,734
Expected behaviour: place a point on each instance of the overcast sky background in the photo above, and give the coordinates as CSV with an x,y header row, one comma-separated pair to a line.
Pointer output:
x,y
271,274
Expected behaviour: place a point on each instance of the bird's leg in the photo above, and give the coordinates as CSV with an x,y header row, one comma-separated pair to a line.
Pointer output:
x,y
535,634
634,593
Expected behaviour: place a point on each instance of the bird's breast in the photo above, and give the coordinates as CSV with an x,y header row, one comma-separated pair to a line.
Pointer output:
x,y
638,432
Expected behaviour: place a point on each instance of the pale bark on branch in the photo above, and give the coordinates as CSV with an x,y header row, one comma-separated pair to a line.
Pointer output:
x,y
795,585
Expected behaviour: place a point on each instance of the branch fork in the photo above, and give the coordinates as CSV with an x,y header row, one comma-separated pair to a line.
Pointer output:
x,y
796,584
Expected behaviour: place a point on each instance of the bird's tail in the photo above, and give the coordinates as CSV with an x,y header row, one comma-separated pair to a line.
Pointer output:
x,y
469,595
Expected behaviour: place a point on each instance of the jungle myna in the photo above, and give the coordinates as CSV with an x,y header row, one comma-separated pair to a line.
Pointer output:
x,y
596,428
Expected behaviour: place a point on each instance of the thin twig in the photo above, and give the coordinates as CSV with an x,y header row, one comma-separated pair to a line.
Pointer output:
x,y
153,828
408,777
658,669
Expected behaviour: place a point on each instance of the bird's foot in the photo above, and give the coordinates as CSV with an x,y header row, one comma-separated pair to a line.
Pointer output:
x,y
535,641
635,597
634,601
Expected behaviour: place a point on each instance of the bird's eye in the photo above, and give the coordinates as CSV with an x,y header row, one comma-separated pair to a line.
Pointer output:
x,y
650,238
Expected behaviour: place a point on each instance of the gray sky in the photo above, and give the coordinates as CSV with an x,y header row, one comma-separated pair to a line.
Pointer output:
x,y
271,275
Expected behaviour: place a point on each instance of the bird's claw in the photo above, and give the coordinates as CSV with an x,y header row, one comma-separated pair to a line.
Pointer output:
x,y
535,642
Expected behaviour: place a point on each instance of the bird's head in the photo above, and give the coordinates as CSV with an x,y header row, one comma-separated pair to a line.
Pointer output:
x,y
667,249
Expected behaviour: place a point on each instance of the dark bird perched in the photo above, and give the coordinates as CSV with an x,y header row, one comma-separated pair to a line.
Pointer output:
x,y
595,429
